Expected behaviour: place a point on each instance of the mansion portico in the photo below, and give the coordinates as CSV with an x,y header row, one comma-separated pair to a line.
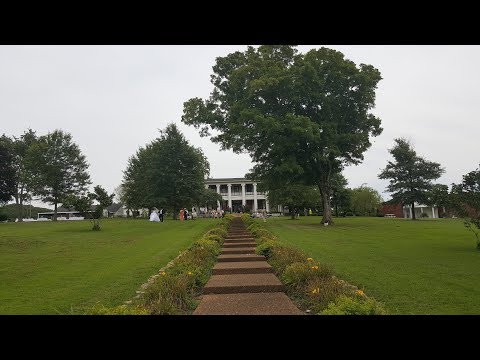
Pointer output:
x,y
237,192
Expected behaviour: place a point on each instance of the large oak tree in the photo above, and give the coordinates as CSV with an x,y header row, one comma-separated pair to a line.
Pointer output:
x,y
410,175
301,117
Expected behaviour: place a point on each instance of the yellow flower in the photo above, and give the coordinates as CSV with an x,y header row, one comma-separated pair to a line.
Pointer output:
x,y
360,292
189,273
163,273
315,291
315,267
309,259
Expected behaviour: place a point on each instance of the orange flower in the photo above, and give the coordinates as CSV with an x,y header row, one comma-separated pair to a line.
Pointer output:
x,y
315,291
189,273
315,267
309,259
360,292
163,273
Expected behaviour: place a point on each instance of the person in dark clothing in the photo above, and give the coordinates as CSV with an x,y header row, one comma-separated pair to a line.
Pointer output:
x,y
160,215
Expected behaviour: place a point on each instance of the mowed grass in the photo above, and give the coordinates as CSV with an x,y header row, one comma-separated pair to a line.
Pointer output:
x,y
64,267
413,267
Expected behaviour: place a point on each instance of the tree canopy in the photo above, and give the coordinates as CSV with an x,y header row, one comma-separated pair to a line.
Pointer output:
x,y
168,173
295,196
366,201
301,117
7,170
466,199
410,175
59,168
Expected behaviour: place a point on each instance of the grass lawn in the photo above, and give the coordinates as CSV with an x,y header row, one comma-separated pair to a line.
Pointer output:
x,y
413,267
60,268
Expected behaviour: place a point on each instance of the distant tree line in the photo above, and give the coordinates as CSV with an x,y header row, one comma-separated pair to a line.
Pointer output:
x,y
50,168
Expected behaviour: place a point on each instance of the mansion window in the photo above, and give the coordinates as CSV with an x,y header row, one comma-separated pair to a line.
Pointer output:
x,y
236,190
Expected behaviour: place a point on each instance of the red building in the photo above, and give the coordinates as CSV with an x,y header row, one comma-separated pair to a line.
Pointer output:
x,y
395,209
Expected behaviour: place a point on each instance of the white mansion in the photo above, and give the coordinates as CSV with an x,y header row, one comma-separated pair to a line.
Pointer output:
x,y
238,192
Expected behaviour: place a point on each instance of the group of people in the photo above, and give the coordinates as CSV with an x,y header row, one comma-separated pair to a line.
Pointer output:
x,y
185,214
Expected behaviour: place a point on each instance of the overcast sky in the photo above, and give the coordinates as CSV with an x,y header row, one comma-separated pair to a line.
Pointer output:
x,y
113,99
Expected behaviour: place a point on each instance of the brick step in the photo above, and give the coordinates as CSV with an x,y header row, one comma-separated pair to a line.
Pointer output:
x,y
239,237
243,250
238,244
242,283
239,240
240,257
274,303
238,234
243,267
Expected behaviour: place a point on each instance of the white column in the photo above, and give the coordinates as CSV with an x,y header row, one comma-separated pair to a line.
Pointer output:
x,y
433,212
218,192
410,208
229,196
255,204
267,207
244,200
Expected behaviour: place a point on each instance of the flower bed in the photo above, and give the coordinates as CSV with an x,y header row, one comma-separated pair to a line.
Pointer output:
x,y
175,289
310,284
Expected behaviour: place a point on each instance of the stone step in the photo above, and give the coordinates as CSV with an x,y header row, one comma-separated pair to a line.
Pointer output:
x,y
243,250
239,241
243,267
275,303
242,283
238,244
240,257
238,237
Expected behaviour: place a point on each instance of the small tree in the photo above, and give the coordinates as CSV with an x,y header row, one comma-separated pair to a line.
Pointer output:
x,y
466,198
439,196
210,198
410,175
84,204
365,200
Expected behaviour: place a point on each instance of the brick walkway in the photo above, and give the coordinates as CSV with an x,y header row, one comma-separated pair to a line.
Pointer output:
x,y
243,283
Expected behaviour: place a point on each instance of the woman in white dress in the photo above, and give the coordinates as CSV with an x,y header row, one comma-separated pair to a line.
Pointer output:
x,y
154,216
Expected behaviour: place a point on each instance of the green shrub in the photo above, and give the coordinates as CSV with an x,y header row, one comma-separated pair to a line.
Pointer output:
x,y
260,232
266,248
319,292
263,239
282,256
213,237
211,245
170,294
217,231
99,309
298,274
228,217
3,217
424,215
357,305
245,218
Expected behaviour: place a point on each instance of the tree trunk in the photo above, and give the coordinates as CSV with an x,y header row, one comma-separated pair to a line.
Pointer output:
x,y
413,210
292,213
18,201
327,210
55,212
